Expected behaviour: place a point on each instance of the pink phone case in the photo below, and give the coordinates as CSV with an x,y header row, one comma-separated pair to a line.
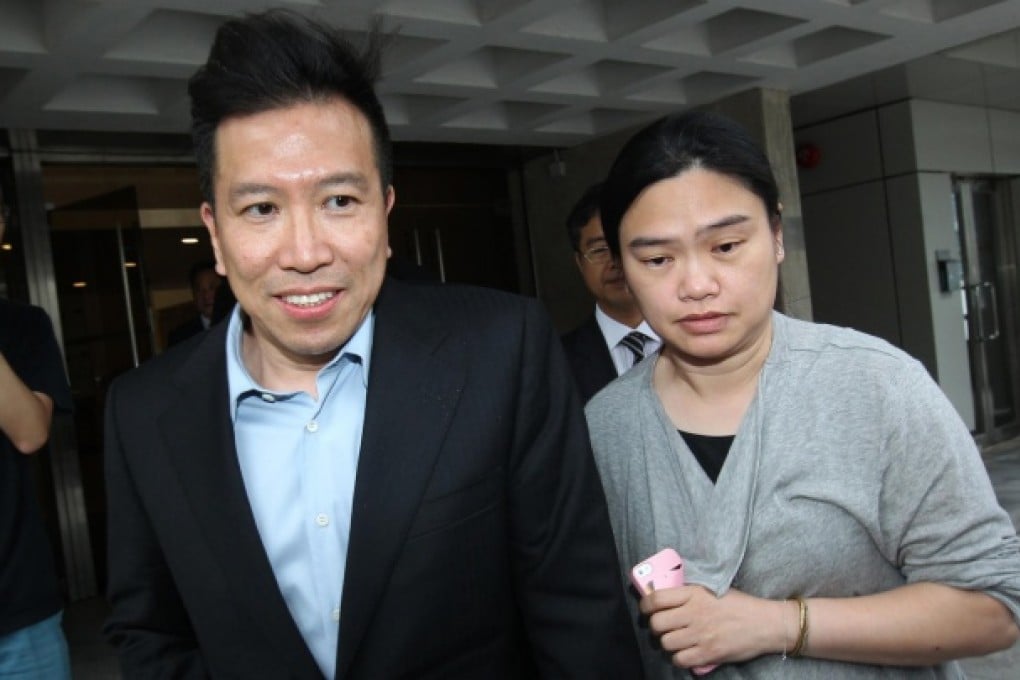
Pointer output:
x,y
664,569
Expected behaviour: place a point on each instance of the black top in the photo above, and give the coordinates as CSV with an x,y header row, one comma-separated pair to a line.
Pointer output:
x,y
28,582
710,450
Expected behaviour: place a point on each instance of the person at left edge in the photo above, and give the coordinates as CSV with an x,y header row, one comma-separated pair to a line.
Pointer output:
x,y
353,477
32,386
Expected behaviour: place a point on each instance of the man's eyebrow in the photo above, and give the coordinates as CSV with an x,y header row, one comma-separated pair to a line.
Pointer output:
x,y
249,189
653,241
355,179
592,241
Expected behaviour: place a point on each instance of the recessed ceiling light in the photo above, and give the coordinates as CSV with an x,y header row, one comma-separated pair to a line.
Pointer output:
x,y
79,284
6,246
129,263
189,240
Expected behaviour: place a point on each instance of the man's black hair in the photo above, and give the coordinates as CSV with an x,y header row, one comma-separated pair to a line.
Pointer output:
x,y
586,208
276,59
198,268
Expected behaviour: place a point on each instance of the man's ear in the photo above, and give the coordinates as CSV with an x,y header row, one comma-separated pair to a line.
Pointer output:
x,y
208,214
391,198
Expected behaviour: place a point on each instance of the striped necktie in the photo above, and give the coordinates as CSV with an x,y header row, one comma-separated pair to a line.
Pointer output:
x,y
635,342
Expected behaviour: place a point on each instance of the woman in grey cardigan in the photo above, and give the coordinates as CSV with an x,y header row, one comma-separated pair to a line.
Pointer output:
x,y
833,512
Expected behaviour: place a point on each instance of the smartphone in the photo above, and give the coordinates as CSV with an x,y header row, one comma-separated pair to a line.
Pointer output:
x,y
664,569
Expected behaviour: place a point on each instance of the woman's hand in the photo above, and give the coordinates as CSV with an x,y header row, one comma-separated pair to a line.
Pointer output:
x,y
698,628
919,624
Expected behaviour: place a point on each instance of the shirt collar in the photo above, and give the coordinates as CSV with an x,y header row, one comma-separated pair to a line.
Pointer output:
x,y
614,331
240,383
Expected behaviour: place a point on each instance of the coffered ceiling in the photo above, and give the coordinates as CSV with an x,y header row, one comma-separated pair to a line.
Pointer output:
x,y
531,72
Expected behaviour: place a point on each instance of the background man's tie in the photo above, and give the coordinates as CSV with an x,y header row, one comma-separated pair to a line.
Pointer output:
x,y
635,342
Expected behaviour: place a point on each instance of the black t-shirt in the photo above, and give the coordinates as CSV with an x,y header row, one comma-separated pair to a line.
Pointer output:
x,y
28,582
710,450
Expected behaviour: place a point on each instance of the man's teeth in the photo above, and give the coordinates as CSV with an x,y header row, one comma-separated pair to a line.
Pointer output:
x,y
307,300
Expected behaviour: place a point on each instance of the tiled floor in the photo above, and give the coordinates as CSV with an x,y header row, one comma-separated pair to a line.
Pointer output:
x,y
92,660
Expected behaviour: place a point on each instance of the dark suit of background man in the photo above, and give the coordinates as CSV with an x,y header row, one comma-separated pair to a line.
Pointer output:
x,y
352,478
204,284
599,349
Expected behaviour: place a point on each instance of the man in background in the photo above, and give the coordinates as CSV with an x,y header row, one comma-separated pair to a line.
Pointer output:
x,y
615,336
32,385
204,284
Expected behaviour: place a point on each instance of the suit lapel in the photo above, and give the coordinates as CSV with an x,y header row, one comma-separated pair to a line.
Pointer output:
x,y
412,393
199,437
602,360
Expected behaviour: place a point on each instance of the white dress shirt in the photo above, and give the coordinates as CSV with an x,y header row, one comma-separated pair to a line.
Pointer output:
x,y
613,331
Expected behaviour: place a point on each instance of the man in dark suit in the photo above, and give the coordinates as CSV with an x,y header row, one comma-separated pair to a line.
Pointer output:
x,y
204,284
352,477
615,336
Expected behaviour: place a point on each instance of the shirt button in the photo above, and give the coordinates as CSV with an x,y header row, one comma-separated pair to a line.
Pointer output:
x,y
268,397
312,426
336,614
322,520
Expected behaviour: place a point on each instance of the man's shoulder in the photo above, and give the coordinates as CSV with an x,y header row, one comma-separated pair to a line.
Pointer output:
x,y
195,355
582,333
25,330
20,313
183,331
451,302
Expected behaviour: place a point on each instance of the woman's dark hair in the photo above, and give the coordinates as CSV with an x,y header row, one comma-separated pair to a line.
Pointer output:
x,y
276,59
675,144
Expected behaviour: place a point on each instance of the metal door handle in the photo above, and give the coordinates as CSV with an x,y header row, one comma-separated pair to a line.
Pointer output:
x,y
995,310
978,297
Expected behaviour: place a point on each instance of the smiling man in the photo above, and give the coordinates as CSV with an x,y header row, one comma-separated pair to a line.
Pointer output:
x,y
353,477
615,336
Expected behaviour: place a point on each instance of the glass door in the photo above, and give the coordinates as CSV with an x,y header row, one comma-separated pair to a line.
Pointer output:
x,y
104,315
988,243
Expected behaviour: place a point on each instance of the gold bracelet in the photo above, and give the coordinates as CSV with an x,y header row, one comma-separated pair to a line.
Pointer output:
x,y
802,635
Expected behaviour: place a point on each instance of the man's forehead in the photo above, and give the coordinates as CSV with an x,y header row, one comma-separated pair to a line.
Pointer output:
x,y
367,133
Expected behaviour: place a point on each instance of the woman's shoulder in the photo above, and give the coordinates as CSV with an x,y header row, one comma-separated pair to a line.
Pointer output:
x,y
838,343
619,399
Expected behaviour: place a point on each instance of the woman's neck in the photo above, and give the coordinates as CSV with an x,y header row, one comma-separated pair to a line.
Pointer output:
x,y
711,397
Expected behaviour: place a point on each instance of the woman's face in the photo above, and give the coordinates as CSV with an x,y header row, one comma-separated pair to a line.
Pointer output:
x,y
702,260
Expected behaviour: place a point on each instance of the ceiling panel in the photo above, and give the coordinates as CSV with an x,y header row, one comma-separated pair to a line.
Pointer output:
x,y
534,72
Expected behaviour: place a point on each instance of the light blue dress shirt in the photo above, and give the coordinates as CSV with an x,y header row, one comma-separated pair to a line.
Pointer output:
x,y
299,458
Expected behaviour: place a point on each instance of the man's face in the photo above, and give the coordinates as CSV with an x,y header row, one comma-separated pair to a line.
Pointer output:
x,y
299,227
604,281
204,291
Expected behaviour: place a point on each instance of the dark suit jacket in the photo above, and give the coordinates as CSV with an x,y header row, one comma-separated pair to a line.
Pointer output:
x,y
480,544
589,357
185,331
